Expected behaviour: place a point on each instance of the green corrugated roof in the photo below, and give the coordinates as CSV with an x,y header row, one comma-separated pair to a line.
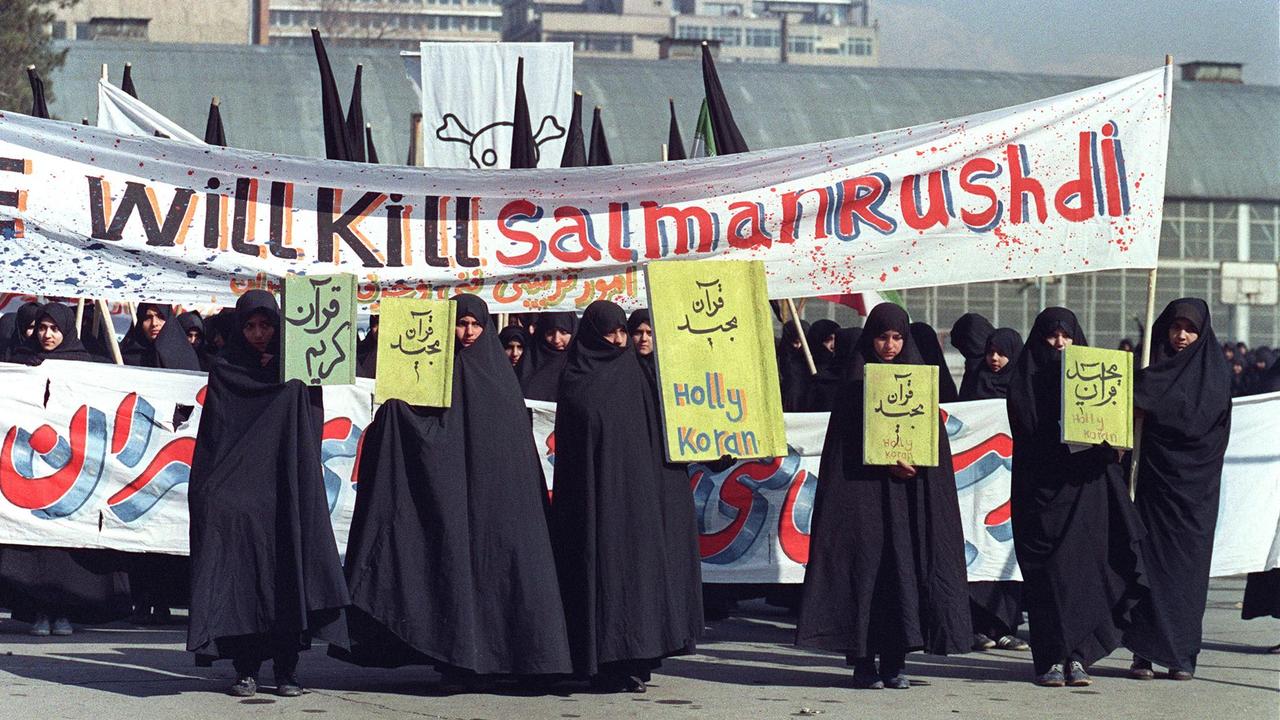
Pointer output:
x,y
1225,140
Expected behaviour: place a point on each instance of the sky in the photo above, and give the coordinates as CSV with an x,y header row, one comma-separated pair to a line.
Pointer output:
x,y
1107,38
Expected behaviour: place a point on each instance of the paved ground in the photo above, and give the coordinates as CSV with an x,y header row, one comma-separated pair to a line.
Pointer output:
x,y
747,668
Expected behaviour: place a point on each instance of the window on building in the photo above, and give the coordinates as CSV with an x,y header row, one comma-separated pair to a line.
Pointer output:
x,y
58,30
693,32
763,37
802,44
730,36
101,28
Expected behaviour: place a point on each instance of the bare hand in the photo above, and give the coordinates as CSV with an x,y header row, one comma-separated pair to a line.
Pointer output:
x,y
902,471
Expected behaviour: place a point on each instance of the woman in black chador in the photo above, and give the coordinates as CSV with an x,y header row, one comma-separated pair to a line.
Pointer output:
x,y
969,335
156,340
1075,531
926,340
886,573
265,573
622,519
449,559
1185,400
996,605
52,587
545,359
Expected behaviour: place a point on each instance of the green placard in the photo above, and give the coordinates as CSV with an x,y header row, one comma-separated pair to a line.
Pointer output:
x,y
900,415
716,366
1097,397
415,352
319,315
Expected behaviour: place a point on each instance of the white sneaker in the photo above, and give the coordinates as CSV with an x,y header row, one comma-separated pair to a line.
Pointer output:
x,y
62,627
40,628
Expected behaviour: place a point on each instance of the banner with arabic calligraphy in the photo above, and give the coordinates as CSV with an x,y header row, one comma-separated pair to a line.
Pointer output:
x,y
900,415
717,374
1073,183
1097,396
319,343
415,352
104,466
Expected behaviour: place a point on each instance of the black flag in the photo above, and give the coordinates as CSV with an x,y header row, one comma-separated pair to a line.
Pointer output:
x,y
355,119
371,153
214,134
335,130
675,143
126,83
39,108
728,139
524,153
599,153
575,144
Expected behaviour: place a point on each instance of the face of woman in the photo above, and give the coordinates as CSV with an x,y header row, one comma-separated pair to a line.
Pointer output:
x,y
194,336
258,332
557,339
467,331
887,345
996,361
1059,340
617,337
48,334
1182,333
152,323
515,351
829,342
643,338
29,330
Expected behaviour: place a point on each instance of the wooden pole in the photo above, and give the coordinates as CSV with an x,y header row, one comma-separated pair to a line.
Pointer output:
x,y
804,341
1144,358
104,72
104,316
79,315
664,152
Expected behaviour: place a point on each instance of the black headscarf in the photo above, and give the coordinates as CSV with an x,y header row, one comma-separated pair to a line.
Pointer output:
x,y
367,351
819,331
886,569
1075,532
793,370
648,362
223,325
543,365
239,352
622,519
449,559
983,383
25,318
1185,398
969,336
515,333
931,350
69,349
823,388
170,349
8,329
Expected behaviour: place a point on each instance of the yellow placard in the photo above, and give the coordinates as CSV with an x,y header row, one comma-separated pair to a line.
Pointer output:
x,y
1097,397
415,352
900,415
717,371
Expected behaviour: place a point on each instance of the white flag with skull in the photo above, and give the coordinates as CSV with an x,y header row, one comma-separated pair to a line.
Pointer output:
x,y
468,101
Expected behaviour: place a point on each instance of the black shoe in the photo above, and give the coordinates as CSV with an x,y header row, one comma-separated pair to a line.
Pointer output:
x,y
606,682
897,682
1052,678
288,686
1012,642
1076,675
245,687
867,682
1141,669
982,642
633,684
1181,675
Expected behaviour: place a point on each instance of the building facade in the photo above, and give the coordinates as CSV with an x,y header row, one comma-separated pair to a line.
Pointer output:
x,y
836,32
398,24
208,21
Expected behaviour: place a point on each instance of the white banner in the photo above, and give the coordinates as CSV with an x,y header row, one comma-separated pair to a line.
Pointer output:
x,y
469,103
103,466
121,112
1070,184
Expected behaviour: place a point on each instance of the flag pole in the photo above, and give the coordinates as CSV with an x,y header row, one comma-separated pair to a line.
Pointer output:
x,y
79,314
104,316
1144,358
664,152
804,341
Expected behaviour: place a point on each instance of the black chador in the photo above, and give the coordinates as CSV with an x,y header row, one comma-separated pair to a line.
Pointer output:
x,y
544,360
622,519
449,559
43,584
969,335
1185,400
265,573
926,340
996,605
1075,531
169,349
886,572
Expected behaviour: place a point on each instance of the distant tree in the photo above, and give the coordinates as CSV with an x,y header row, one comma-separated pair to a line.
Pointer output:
x,y
24,40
